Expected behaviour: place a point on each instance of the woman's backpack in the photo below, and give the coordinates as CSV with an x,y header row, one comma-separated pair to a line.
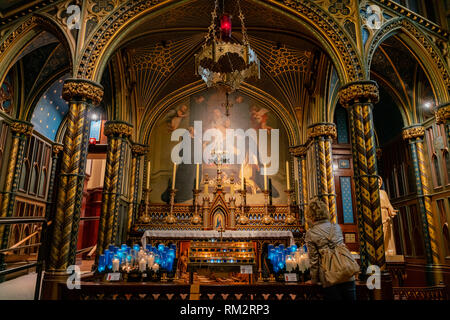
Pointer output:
x,y
337,263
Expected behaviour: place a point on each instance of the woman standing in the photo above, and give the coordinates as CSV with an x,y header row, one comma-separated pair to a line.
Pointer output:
x,y
322,234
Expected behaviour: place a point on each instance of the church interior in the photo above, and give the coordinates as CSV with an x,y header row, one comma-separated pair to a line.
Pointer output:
x,y
111,168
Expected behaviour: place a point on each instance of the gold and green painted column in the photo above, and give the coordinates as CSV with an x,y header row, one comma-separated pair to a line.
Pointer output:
x,y
359,98
300,153
414,135
118,133
81,95
20,132
443,117
137,151
321,136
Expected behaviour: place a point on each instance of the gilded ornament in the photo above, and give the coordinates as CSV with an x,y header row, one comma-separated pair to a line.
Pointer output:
x,y
298,151
413,132
443,114
325,129
139,149
118,128
362,91
290,219
57,148
243,219
21,127
196,219
84,89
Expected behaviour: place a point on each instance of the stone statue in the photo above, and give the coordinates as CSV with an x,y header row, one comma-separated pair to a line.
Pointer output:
x,y
387,214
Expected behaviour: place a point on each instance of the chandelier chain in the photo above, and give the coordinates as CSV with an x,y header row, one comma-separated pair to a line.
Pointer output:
x,y
244,29
212,28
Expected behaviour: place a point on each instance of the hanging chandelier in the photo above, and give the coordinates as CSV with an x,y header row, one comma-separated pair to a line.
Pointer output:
x,y
222,61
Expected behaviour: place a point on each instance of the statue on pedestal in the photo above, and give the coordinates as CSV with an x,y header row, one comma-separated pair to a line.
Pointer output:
x,y
387,213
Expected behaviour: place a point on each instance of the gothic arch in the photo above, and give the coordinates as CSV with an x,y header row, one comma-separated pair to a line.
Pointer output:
x,y
151,118
21,35
426,51
105,40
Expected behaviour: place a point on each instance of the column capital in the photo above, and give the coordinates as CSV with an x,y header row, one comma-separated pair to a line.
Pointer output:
x,y
57,148
83,89
322,129
118,128
359,91
139,149
21,127
298,151
443,113
412,132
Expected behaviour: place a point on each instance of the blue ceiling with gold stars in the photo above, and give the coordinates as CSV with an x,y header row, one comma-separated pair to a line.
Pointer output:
x,y
50,110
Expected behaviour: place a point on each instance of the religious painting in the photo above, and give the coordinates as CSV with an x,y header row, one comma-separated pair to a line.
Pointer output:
x,y
218,220
208,107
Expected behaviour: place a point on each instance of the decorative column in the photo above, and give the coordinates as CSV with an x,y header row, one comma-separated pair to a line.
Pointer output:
x,y
20,130
414,135
358,98
137,151
118,133
443,117
300,153
322,135
81,94
49,209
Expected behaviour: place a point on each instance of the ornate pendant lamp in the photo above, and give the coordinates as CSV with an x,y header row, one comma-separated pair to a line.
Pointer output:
x,y
222,61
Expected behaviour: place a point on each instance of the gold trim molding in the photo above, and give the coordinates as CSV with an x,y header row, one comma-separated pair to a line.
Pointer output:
x,y
84,89
361,91
413,132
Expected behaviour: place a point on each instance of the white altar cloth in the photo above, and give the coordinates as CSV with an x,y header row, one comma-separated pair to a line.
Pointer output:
x,y
210,234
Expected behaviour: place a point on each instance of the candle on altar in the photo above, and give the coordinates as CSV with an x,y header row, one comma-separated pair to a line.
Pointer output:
x,y
265,178
148,174
242,176
174,174
150,260
288,185
115,265
196,176
142,265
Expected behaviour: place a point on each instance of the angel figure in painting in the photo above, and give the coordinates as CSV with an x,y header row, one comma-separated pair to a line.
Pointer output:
x,y
387,215
174,117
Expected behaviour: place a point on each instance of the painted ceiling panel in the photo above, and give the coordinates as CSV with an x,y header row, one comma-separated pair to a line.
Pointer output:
x,y
50,110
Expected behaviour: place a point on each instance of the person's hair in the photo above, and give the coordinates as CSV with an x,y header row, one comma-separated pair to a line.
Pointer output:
x,y
317,210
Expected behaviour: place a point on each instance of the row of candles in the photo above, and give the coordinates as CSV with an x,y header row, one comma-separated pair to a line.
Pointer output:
x,y
126,258
289,258
174,174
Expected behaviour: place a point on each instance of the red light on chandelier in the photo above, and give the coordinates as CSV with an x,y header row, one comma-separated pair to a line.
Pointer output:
x,y
225,25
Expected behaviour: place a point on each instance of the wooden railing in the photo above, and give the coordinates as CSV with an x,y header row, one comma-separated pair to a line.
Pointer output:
x,y
426,293
168,291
